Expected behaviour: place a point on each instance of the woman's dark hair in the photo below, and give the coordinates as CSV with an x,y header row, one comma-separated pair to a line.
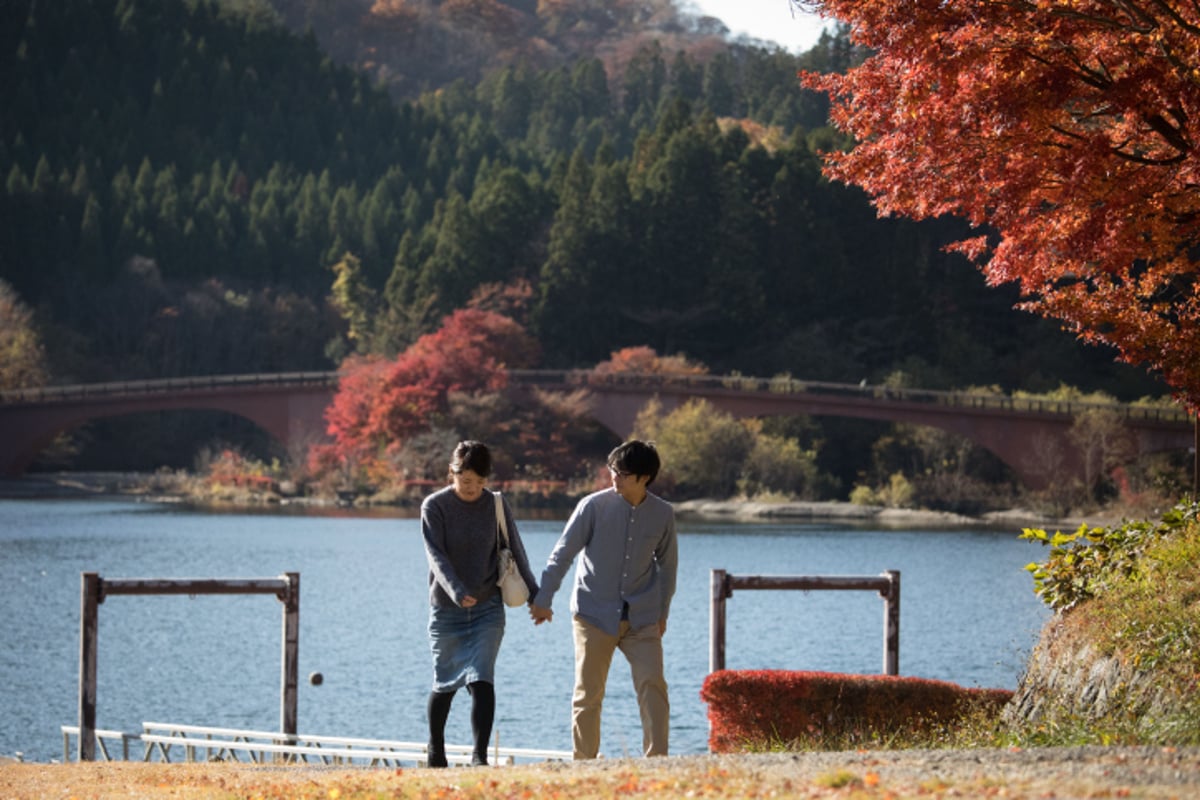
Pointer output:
x,y
471,455
637,458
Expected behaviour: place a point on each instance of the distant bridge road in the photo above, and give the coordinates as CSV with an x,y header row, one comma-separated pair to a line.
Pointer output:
x,y
1031,436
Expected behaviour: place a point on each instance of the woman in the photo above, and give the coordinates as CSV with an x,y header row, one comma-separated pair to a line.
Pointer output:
x,y
466,617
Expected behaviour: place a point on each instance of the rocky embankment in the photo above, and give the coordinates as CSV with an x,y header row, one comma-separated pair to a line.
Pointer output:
x,y
1069,679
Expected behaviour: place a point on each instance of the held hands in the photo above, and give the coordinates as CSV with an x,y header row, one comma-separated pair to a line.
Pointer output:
x,y
540,615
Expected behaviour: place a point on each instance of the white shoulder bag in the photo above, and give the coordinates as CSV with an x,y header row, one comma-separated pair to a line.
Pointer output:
x,y
512,585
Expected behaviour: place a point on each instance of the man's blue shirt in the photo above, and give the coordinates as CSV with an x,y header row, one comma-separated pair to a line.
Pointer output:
x,y
628,557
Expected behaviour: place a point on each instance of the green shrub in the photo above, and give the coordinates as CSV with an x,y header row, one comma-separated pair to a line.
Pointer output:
x,y
710,453
862,495
1082,564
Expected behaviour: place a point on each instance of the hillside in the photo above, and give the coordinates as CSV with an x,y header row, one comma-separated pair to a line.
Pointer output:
x,y
416,46
181,180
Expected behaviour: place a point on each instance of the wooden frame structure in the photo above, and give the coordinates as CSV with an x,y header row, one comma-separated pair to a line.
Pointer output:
x,y
95,589
887,584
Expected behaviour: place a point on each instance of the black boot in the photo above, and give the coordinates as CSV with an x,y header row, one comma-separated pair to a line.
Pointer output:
x,y
438,709
483,713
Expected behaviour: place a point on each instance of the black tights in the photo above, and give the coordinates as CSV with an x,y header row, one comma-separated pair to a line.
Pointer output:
x,y
483,714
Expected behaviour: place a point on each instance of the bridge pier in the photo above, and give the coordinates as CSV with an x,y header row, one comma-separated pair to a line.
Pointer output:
x,y
24,436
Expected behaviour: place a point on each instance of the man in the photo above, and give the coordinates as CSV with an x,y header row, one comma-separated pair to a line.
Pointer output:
x,y
628,558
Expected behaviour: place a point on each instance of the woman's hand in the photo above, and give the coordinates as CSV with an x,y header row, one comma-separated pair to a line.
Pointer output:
x,y
468,601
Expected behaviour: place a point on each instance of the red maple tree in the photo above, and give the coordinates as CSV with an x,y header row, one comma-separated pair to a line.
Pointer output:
x,y
1065,131
381,402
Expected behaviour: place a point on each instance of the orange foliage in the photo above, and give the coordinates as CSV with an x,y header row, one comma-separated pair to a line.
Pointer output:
x,y
380,402
645,361
1065,132
755,708
392,8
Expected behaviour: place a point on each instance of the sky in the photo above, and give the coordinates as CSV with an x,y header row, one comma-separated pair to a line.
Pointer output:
x,y
771,20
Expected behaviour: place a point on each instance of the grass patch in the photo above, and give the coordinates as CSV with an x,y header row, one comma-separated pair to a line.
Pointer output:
x,y
1130,593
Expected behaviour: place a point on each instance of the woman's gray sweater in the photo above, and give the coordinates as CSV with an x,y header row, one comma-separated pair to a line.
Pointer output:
x,y
461,544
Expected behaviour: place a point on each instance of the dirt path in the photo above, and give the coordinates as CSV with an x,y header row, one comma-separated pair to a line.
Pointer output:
x,y
1086,772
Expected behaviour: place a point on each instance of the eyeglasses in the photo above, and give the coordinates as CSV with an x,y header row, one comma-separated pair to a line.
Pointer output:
x,y
619,473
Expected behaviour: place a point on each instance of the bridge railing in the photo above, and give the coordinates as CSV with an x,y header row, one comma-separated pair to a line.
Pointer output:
x,y
50,394
588,379
786,385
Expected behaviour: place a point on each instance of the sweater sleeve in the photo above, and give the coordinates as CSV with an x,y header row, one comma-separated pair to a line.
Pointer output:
x,y
575,537
441,570
667,556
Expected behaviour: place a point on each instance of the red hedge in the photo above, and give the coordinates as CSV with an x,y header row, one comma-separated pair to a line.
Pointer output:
x,y
760,708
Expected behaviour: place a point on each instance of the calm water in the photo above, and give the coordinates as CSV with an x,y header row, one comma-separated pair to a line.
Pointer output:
x,y
968,615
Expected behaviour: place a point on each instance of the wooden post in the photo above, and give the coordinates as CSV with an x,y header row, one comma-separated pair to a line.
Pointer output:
x,y
290,666
891,624
286,588
716,621
887,584
88,607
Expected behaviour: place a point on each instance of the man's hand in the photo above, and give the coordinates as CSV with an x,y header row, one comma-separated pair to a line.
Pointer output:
x,y
540,615
662,628
468,601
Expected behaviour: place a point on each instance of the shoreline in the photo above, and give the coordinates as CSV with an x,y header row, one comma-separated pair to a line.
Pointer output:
x,y
877,516
157,488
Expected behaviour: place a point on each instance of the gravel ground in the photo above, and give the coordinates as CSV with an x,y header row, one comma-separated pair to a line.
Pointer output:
x,y
1020,774
1175,770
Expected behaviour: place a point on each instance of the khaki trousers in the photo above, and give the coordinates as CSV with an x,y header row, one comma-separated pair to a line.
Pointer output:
x,y
593,656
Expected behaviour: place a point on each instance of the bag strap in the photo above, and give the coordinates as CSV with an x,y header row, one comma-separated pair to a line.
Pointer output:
x,y
503,526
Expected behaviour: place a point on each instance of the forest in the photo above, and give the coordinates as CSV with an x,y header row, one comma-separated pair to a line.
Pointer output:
x,y
194,187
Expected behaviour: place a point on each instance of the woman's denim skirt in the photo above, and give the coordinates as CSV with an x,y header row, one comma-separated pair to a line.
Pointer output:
x,y
465,643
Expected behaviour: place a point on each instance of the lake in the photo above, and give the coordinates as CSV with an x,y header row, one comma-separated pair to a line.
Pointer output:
x,y
968,615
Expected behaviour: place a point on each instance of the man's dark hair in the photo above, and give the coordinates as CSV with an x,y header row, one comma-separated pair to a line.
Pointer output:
x,y
472,455
637,458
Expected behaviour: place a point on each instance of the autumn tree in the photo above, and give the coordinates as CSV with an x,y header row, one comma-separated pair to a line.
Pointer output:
x,y
703,448
642,360
1064,132
397,419
380,403
354,300
22,357
710,453
777,464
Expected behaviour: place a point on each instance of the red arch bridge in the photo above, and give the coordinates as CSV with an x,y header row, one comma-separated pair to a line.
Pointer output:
x,y
1030,436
